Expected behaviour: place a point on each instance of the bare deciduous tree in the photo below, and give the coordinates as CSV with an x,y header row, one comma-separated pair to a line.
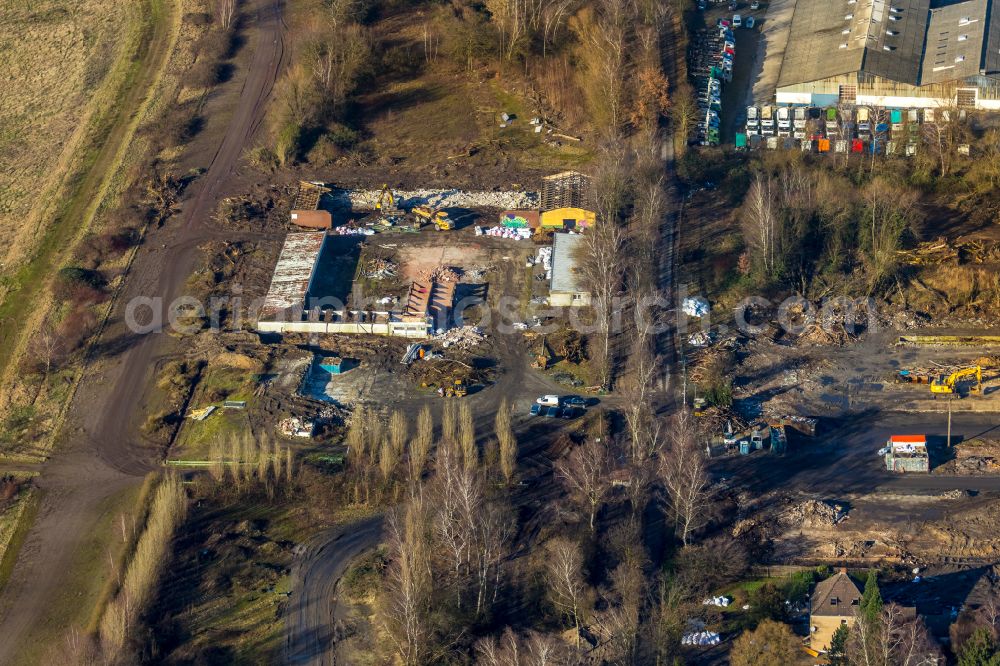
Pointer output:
x,y
620,618
46,348
761,221
685,476
467,437
891,210
644,367
509,649
584,473
891,639
507,441
421,445
399,429
564,580
602,267
337,61
387,459
492,534
407,587
226,10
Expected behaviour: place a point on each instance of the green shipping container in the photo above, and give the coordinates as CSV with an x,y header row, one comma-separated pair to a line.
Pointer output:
x,y
741,140
831,114
897,116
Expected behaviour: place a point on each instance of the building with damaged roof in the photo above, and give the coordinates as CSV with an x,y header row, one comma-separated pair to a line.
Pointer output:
x,y
892,53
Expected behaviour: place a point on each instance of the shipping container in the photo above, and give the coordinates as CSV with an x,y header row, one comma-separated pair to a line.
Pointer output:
x,y
312,219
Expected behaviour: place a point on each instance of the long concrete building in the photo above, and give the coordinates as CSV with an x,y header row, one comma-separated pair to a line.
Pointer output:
x,y
892,53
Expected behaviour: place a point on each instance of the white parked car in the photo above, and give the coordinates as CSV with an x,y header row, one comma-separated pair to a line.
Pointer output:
x,y
737,20
548,400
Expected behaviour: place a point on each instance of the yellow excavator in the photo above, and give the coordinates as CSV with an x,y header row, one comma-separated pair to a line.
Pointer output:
x,y
386,201
438,217
947,384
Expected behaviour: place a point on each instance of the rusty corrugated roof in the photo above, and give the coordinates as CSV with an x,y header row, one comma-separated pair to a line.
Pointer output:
x,y
293,272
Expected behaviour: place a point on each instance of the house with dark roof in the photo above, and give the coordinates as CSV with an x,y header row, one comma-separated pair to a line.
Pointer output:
x,y
892,53
834,603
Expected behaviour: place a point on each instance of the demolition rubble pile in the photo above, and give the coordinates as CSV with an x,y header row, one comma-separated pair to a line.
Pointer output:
x,y
379,269
293,426
464,337
443,274
811,513
475,274
367,199
822,335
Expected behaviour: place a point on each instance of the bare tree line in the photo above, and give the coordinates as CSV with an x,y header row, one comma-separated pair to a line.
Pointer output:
x,y
451,532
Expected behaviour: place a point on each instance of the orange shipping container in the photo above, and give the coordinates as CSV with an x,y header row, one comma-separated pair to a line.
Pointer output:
x,y
312,219
824,145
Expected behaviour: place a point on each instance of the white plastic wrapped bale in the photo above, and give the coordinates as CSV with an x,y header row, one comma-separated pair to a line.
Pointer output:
x,y
701,638
353,231
544,256
695,306
514,233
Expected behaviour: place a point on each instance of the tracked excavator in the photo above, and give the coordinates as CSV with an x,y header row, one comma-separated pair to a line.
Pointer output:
x,y
948,384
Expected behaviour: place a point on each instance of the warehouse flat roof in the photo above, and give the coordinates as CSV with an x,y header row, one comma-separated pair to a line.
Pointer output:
x,y
916,42
565,276
293,272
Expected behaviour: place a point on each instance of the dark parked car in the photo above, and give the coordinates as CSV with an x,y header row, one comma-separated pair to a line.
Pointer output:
x,y
574,401
535,410
552,412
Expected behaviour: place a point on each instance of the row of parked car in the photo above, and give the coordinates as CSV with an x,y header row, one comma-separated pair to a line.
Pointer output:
x,y
713,55
554,406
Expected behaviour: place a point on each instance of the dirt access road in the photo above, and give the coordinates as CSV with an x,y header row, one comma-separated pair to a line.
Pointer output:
x,y
101,454
310,617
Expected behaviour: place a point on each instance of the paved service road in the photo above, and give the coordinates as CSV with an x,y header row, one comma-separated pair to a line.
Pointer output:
x,y
311,622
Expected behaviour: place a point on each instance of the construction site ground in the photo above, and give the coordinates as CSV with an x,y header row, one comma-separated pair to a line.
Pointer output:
x,y
792,375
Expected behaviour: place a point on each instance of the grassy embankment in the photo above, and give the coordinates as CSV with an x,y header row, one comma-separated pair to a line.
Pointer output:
x,y
14,522
70,204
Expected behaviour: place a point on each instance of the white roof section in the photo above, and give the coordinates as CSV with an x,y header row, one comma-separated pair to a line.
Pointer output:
x,y
293,272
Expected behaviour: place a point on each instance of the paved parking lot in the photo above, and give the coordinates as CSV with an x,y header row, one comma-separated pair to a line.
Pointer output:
x,y
736,94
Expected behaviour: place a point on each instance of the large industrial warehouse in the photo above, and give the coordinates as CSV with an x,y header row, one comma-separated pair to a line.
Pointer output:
x,y
892,53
